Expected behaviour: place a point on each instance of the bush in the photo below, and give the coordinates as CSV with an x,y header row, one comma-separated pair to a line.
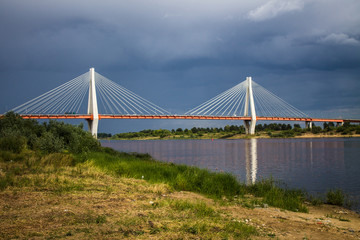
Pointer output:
x,y
17,133
335,197
13,144
49,143
316,129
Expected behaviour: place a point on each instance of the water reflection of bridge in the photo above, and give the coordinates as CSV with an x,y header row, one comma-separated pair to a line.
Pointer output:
x,y
251,160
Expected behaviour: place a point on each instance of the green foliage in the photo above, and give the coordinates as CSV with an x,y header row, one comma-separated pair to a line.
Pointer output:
x,y
144,133
49,143
283,134
180,177
24,170
17,134
104,135
200,209
193,132
281,197
273,127
12,142
316,129
335,197
240,230
348,129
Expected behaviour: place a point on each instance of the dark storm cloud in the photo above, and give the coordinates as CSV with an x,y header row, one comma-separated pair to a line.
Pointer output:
x,y
189,50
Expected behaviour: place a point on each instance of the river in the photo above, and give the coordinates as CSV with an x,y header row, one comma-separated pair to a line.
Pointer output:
x,y
313,164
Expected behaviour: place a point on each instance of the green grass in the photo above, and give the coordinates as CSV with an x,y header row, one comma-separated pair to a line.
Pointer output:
x,y
200,209
273,195
185,178
29,169
180,177
41,172
240,230
335,197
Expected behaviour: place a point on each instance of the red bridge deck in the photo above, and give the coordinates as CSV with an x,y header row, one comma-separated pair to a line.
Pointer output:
x,y
108,116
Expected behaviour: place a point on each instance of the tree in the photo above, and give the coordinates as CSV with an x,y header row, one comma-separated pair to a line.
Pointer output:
x,y
259,128
104,135
227,128
48,137
179,130
315,129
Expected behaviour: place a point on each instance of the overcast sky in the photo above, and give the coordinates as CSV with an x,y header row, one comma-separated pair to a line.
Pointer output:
x,y
179,54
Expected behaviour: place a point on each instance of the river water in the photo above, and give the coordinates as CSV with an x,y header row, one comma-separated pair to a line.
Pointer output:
x,y
313,164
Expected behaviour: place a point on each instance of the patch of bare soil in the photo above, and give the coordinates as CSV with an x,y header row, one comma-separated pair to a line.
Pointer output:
x,y
322,222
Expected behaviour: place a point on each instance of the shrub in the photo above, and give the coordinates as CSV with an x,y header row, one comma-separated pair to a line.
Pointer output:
x,y
17,133
335,197
316,130
12,143
49,143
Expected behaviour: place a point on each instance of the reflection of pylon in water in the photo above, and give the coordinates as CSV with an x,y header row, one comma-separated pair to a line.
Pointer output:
x,y
251,160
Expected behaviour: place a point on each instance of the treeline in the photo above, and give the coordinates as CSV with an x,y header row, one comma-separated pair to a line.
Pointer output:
x,y
329,128
17,134
272,129
195,131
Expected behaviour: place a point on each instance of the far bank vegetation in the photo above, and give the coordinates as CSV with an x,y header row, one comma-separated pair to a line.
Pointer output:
x,y
273,130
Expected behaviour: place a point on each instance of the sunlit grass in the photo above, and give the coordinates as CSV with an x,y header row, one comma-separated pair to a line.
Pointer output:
x,y
186,178
87,201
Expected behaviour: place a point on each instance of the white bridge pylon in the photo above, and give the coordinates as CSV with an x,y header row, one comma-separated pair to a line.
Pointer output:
x,y
104,96
92,105
247,99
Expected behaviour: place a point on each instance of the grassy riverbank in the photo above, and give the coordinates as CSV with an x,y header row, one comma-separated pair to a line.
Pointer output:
x,y
57,182
104,195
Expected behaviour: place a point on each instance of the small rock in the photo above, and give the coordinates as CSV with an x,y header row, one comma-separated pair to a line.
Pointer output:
x,y
265,205
151,224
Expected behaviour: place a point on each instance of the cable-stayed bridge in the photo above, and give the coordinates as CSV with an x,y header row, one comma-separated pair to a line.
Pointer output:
x,y
247,101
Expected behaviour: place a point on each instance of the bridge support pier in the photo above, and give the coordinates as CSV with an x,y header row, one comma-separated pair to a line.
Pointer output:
x,y
250,126
308,124
339,124
92,105
93,126
249,99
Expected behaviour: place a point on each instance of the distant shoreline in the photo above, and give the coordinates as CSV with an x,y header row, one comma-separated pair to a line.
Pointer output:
x,y
240,137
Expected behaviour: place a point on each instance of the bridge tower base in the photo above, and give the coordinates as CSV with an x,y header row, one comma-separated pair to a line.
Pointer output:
x,y
92,106
308,124
249,99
